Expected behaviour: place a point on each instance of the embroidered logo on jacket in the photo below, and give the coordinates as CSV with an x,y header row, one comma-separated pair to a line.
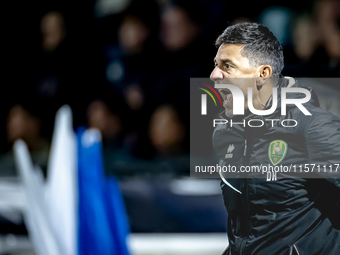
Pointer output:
x,y
230,149
277,151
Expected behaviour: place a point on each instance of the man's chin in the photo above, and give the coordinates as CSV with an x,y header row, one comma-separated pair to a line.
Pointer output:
x,y
229,112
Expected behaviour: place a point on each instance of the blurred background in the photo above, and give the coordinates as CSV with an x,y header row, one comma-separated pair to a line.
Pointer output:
x,y
124,67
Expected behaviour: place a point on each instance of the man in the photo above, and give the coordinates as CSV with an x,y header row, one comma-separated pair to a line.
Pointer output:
x,y
291,213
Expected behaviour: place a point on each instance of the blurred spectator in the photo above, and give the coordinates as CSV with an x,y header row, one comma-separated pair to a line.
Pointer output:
x,y
178,29
130,60
134,97
328,29
130,64
53,30
183,58
65,69
53,64
168,137
317,40
118,143
24,123
99,116
304,38
166,131
133,34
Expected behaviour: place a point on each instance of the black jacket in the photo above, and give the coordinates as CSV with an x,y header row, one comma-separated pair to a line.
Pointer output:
x,y
293,214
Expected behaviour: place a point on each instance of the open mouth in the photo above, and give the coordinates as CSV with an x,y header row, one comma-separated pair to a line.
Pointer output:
x,y
226,94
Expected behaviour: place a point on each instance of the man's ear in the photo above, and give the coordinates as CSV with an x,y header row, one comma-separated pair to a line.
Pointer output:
x,y
265,72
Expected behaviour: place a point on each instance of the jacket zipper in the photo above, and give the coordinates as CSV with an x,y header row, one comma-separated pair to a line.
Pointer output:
x,y
245,148
245,200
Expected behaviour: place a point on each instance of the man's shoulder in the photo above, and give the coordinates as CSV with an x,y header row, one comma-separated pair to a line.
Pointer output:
x,y
317,115
315,106
318,119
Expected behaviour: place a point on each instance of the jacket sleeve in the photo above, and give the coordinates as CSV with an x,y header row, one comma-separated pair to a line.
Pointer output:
x,y
323,143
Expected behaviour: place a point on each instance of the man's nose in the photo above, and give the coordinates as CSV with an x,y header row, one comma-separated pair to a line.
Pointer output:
x,y
216,74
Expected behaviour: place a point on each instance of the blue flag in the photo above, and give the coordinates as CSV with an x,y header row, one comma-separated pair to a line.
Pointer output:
x,y
103,225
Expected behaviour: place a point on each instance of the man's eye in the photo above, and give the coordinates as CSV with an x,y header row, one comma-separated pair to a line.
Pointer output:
x,y
215,64
227,65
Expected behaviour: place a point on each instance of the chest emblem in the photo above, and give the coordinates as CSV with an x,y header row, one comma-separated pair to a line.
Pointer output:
x,y
277,151
230,149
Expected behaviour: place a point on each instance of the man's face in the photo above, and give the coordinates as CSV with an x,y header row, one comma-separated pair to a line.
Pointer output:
x,y
230,68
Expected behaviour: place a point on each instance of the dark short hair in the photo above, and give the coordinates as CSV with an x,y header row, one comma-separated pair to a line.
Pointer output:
x,y
261,47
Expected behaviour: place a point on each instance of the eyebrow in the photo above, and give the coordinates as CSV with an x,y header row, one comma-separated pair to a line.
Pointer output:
x,y
227,60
